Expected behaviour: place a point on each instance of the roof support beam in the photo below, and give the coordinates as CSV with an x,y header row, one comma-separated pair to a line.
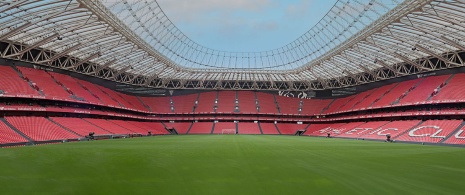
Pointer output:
x,y
93,56
411,62
35,45
435,55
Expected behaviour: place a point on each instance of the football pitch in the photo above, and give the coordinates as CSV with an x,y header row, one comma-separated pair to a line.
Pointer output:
x,y
232,164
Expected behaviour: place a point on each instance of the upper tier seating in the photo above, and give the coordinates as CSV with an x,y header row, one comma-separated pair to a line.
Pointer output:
x,y
248,128
314,106
46,84
206,102
337,104
116,97
363,129
220,126
395,93
184,103
290,128
12,84
424,89
357,99
394,129
288,105
247,102
201,128
92,88
79,126
7,135
454,90
226,102
457,137
109,126
74,87
133,101
40,129
269,128
374,97
266,102
181,127
158,104
432,131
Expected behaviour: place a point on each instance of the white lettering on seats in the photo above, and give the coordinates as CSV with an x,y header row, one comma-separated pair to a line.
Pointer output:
x,y
457,135
381,133
434,135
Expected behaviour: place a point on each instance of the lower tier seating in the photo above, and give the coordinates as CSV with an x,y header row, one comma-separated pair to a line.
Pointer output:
x,y
79,126
363,129
269,128
109,126
40,128
457,137
394,129
221,127
248,128
181,127
7,135
201,128
289,128
432,131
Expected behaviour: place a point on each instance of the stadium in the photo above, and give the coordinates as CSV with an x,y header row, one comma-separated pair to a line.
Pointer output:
x,y
110,96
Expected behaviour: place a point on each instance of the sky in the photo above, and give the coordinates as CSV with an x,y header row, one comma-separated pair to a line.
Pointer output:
x,y
245,25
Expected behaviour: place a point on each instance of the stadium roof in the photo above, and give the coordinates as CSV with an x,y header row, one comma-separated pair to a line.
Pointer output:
x,y
134,42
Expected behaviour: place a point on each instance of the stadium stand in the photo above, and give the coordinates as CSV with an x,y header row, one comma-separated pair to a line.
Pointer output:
x,y
158,104
394,128
337,104
79,126
206,102
97,93
8,135
288,105
269,128
248,128
374,97
431,131
289,128
322,129
247,102
184,103
46,83
109,126
11,84
424,90
363,129
453,91
201,128
266,103
357,99
457,137
220,126
226,102
181,127
74,88
40,129
144,127
314,106
395,93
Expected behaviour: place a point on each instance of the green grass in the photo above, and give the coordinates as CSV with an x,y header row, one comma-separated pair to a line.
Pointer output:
x,y
232,164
